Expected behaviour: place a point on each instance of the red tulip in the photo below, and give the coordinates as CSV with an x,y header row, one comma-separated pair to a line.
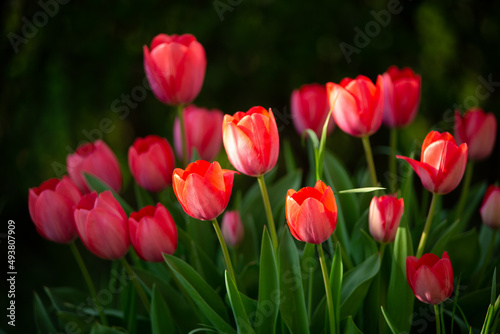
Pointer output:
x,y
384,217
357,105
51,209
401,96
478,130
203,132
251,141
102,225
430,278
96,159
442,163
232,228
203,189
175,68
490,209
311,213
153,232
151,161
309,108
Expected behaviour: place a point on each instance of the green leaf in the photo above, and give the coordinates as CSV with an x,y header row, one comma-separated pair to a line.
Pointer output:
x,y
336,277
474,198
494,287
130,308
142,197
101,329
321,148
42,319
369,244
289,157
161,319
240,314
312,136
389,322
400,297
356,283
441,245
350,327
73,323
292,302
359,190
268,302
464,259
62,296
207,300
99,186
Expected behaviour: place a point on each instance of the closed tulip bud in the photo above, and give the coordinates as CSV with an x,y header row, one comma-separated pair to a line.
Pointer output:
x,y
490,209
402,90
309,109
311,213
153,232
430,277
151,161
203,189
478,130
203,132
357,105
232,228
175,68
102,225
251,141
51,209
96,159
384,217
442,163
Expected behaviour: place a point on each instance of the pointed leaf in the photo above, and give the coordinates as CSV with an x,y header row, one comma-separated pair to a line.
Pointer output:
x,y
336,277
389,322
42,319
240,314
99,186
350,327
360,190
161,319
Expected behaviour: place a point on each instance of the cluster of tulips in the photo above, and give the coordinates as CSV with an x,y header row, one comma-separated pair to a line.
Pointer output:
x,y
87,204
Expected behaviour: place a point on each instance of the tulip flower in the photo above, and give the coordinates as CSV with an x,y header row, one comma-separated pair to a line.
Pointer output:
x,y
309,109
102,225
311,213
175,68
96,159
51,209
153,232
357,105
490,208
478,130
151,162
401,96
430,277
442,162
203,132
384,217
203,189
251,140
232,228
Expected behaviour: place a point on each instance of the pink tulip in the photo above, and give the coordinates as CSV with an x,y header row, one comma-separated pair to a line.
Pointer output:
x,y
51,209
153,232
203,132
430,278
490,209
357,105
442,163
401,96
251,140
96,159
384,217
478,130
309,108
151,161
102,225
232,228
175,68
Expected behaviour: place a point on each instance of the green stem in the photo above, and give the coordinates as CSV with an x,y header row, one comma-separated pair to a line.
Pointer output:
x,y
392,160
309,295
382,250
227,258
326,279
185,157
269,212
427,227
486,259
138,287
438,319
369,159
465,189
88,280
347,261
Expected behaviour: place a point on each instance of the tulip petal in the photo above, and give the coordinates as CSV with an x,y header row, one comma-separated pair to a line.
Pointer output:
x,y
107,235
426,173
54,217
314,224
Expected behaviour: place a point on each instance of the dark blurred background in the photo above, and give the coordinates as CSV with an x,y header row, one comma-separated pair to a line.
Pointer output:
x,y
69,65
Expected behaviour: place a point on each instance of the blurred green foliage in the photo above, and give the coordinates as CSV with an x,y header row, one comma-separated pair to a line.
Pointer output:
x,y
78,68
